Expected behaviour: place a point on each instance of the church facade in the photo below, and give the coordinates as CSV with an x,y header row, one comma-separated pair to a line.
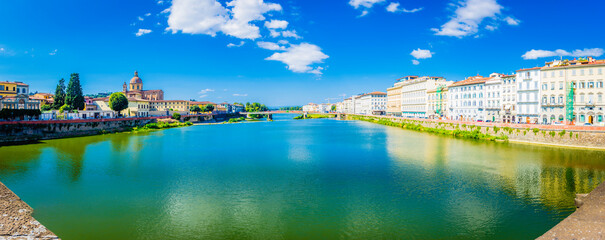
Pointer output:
x,y
135,90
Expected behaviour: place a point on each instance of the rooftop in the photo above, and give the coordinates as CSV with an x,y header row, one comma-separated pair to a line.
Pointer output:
x,y
471,81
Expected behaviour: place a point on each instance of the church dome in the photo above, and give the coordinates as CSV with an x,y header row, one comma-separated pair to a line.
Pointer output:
x,y
136,78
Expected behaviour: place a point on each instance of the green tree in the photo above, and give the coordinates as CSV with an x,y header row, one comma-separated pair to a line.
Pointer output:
x,y
65,108
118,102
59,98
333,108
209,108
45,107
176,116
195,109
73,94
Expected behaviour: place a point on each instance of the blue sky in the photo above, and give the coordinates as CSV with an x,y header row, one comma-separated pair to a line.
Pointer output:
x,y
293,52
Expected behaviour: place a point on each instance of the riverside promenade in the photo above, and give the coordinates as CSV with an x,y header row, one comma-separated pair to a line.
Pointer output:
x,y
587,137
587,222
16,221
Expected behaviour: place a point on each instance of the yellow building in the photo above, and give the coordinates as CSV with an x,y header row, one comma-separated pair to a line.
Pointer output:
x,y
44,98
11,89
394,99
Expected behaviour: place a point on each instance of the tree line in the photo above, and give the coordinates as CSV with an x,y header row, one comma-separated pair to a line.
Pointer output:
x,y
68,98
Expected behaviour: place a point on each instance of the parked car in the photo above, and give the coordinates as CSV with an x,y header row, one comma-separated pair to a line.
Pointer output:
x,y
587,124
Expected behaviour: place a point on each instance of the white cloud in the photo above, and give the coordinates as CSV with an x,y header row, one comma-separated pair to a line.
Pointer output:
x,y
283,42
53,53
535,54
210,17
236,45
512,21
290,33
317,71
286,34
147,14
205,91
299,58
240,95
491,28
276,24
364,3
394,8
469,15
142,32
160,2
421,54
271,46
415,62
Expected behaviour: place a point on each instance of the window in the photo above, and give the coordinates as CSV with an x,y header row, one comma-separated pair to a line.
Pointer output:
x,y
590,84
552,74
552,86
560,99
560,85
582,72
573,72
544,86
590,71
560,73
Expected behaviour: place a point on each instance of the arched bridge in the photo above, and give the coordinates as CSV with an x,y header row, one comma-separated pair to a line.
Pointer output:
x,y
269,114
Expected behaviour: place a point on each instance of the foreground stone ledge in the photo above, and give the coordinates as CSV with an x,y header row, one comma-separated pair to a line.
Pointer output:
x,y
16,221
587,222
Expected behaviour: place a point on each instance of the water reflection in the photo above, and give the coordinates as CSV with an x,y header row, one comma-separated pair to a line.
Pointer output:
x,y
536,174
316,179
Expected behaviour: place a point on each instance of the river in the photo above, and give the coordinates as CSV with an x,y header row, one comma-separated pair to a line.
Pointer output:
x,y
296,179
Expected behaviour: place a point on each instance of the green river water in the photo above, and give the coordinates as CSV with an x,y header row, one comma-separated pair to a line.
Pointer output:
x,y
289,179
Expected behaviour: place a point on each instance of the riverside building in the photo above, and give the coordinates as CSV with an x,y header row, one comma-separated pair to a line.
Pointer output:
x,y
437,102
394,98
374,103
466,99
528,92
581,78
414,94
493,98
509,98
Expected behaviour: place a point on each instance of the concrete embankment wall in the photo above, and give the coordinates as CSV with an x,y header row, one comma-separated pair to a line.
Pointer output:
x,y
16,221
23,131
569,136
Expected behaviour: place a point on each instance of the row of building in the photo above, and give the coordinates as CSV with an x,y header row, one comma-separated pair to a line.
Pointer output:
x,y
141,102
560,92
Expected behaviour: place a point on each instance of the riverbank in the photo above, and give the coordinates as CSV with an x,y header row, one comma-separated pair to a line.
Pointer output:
x,y
565,136
473,133
315,116
17,221
587,222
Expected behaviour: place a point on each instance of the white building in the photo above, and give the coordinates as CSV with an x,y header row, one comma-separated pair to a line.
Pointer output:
x,y
374,103
466,99
414,98
311,107
528,92
493,98
509,98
